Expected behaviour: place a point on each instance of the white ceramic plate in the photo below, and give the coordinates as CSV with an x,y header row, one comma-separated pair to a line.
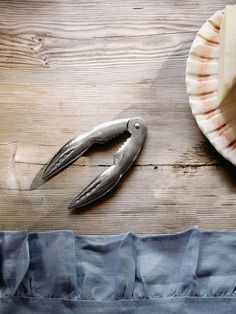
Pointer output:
x,y
217,122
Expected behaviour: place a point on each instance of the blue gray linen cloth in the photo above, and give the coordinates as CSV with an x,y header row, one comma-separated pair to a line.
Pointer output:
x,y
57,272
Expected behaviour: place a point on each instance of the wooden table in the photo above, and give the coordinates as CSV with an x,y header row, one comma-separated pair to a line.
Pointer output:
x,y
69,65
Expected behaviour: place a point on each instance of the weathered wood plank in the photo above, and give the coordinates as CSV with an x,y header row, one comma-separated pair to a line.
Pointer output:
x,y
89,54
84,19
148,201
39,116
100,61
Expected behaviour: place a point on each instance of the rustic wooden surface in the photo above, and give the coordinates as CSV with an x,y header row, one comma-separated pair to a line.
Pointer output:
x,y
69,65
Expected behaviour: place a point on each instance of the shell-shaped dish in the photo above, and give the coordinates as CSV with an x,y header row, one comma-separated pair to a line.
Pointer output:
x,y
217,122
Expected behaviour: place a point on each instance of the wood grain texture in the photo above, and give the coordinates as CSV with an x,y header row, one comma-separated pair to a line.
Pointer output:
x,y
67,66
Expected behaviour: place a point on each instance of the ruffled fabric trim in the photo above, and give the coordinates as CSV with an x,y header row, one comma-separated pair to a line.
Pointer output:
x,y
59,265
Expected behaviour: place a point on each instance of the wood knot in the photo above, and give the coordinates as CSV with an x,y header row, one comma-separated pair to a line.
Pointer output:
x,y
38,43
44,60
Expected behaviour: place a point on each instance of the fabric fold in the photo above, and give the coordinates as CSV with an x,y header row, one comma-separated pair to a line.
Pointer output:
x,y
106,267
52,267
14,261
216,272
166,265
